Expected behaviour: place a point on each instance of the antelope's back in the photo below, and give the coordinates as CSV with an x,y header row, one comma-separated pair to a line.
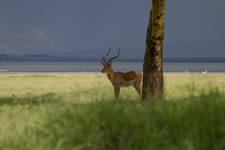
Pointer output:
x,y
131,75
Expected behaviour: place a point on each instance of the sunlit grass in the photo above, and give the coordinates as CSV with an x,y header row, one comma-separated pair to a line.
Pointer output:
x,y
35,105
83,87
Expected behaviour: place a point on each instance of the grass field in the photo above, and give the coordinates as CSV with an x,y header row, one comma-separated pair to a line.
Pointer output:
x,y
76,111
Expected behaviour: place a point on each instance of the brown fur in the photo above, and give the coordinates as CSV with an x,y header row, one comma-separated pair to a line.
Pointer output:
x,y
123,79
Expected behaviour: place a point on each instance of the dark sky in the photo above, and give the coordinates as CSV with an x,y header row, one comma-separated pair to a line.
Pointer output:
x,y
66,26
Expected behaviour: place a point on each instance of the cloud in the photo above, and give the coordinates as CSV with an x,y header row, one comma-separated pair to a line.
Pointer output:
x,y
35,33
4,47
39,33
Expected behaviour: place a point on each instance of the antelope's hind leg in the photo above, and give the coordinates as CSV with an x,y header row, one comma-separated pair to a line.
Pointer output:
x,y
137,86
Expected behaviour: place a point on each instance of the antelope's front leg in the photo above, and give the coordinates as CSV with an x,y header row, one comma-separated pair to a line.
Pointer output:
x,y
116,91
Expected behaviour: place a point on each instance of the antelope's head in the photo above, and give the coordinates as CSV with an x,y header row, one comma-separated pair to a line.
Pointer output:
x,y
107,62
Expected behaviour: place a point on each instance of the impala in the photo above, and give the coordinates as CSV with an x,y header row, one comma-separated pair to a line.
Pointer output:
x,y
120,79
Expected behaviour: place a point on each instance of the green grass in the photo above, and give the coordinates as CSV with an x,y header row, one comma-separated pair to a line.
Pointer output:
x,y
77,111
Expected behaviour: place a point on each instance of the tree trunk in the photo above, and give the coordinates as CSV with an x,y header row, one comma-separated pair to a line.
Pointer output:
x,y
153,85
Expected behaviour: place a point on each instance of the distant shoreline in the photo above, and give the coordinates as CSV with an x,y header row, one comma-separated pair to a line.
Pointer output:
x,y
49,58
97,73
96,66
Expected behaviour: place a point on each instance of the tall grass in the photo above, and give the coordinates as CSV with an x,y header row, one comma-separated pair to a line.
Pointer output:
x,y
53,113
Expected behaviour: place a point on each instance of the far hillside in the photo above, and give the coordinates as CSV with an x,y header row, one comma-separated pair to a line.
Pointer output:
x,y
205,51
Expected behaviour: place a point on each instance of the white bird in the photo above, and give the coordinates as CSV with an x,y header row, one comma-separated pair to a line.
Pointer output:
x,y
205,72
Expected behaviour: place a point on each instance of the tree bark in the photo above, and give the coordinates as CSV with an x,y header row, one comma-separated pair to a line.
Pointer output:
x,y
153,84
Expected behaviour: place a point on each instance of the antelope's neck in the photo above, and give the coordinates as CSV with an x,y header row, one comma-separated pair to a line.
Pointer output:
x,y
110,75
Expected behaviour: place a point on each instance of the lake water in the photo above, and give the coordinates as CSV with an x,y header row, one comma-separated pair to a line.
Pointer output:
x,y
96,67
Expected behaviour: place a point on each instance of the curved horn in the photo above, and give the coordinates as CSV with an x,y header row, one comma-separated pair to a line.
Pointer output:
x,y
111,59
102,62
107,54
